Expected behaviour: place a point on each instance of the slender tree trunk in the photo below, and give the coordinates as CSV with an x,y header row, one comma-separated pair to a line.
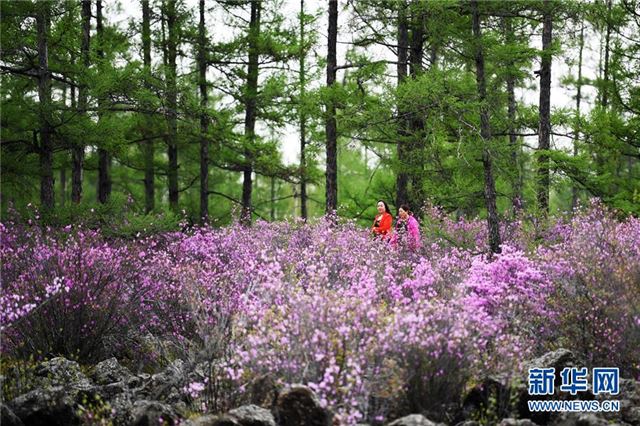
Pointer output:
x,y
303,120
148,147
172,103
331,126
251,109
78,148
402,177
272,212
485,133
44,97
204,120
63,171
74,105
605,85
516,198
544,131
416,122
104,160
578,121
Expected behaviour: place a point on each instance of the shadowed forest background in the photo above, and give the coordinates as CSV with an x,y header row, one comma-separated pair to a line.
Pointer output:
x,y
190,106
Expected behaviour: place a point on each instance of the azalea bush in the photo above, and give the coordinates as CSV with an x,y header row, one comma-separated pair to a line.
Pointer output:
x,y
68,291
375,331
595,267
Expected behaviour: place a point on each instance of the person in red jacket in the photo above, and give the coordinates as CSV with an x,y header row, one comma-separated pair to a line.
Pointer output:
x,y
383,221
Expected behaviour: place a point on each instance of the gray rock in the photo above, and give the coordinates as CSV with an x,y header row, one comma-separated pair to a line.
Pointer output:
x,y
208,420
297,405
8,417
147,413
166,386
247,415
580,419
51,406
108,392
632,415
110,371
413,420
557,359
252,415
61,372
517,422
121,405
263,391
492,391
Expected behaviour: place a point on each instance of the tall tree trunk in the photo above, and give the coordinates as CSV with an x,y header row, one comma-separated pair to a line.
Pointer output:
x,y
578,120
104,160
303,119
251,109
544,131
272,212
63,170
416,121
485,133
605,82
78,148
148,148
204,120
172,103
516,197
44,112
402,178
331,126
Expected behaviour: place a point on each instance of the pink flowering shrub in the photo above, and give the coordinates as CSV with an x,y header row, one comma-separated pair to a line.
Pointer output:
x,y
377,332
67,292
596,271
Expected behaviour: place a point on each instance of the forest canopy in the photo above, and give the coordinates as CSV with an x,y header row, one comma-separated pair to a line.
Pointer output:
x,y
275,109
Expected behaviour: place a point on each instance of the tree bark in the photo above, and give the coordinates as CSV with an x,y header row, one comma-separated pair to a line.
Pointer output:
x,y
578,121
272,210
331,126
402,177
544,131
485,133
204,120
516,197
172,104
605,80
78,148
148,148
250,110
104,160
303,120
416,146
44,97
63,170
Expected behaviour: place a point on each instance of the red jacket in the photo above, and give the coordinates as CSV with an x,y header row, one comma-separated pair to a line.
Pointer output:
x,y
382,224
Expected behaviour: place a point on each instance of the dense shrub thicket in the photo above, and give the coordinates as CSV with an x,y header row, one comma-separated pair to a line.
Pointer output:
x,y
370,327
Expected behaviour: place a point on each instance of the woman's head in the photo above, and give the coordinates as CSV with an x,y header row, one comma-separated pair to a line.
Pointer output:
x,y
383,207
404,211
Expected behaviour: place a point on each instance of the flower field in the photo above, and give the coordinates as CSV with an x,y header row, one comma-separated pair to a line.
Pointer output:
x,y
374,330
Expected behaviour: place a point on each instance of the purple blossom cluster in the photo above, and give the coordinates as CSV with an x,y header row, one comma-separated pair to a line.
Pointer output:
x,y
369,327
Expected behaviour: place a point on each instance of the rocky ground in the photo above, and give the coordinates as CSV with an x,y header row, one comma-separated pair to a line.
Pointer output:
x,y
64,395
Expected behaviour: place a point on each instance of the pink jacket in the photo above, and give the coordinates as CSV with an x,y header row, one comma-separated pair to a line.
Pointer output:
x,y
412,236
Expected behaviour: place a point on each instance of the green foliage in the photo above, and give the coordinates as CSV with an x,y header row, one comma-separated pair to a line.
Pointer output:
x,y
127,106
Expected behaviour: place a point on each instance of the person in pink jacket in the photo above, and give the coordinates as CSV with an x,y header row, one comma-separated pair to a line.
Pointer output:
x,y
407,229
